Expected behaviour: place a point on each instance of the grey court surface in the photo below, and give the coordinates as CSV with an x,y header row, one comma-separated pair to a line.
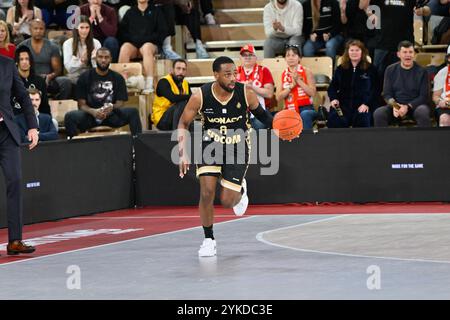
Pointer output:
x,y
377,256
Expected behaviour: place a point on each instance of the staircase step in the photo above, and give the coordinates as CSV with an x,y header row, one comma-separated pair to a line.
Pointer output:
x,y
248,15
229,44
250,31
232,4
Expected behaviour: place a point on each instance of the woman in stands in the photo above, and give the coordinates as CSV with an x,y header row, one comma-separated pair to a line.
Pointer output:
x,y
298,87
353,90
7,48
79,51
20,16
142,30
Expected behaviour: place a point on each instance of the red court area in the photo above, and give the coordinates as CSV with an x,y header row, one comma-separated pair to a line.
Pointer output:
x,y
112,227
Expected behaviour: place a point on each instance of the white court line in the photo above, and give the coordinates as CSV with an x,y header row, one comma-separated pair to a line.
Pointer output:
x,y
148,217
231,215
260,237
118,242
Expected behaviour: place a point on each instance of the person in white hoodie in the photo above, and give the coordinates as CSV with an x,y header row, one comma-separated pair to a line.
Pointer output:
x,y
283,24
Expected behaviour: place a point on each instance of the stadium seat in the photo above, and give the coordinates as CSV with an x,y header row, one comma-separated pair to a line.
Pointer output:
x,y
59,108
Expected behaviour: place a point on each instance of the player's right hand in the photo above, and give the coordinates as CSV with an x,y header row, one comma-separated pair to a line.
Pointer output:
x,y
184,166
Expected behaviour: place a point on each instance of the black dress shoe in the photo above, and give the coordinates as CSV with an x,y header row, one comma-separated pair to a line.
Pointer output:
x,y
17,247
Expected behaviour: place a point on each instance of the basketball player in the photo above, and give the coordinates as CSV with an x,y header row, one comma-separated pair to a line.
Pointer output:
x,y
223,106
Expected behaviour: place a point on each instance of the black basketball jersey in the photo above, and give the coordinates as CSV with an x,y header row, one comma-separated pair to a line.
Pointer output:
x,y
221,120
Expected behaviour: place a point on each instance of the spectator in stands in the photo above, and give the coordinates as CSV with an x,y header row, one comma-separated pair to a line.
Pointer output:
x,y
168,9
187,13
48,62
172,95
104,25
79,51
101,94
357,23
342,10
25,65
59,12
20,17
322,27
7,48
397,24
142,30
298,87
353,90
47,129
117,4
208,11
4,6
406,90
283,21
441,93
439,7
441,32
257,78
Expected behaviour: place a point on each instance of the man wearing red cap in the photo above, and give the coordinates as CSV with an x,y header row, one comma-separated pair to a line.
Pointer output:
x,y
257,78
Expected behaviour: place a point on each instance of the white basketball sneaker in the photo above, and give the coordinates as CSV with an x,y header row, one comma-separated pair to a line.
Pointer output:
x,y
208,248
241,207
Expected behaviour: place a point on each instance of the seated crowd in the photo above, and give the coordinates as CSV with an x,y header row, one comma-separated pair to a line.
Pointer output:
x,y
376,81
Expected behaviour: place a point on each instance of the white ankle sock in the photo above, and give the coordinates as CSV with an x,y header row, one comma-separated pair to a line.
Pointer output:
x,y
148,82
167,43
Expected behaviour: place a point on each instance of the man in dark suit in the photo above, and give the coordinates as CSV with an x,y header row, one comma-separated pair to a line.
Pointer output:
x,y
10,161
47,130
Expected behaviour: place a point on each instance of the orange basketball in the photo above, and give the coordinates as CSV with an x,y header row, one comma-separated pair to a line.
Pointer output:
x,y
287,125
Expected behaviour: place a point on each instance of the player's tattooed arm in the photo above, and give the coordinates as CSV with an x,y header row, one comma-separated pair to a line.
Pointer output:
x,y
259,112
190,111
252,99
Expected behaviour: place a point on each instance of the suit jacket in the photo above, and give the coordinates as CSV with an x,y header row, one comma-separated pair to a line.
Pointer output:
x,y
12,85
47,130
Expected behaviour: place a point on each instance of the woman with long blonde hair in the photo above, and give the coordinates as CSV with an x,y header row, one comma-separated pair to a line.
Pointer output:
x,y
353,91
6,47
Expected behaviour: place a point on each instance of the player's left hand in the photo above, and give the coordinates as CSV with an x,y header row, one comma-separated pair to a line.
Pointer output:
x,y
33,136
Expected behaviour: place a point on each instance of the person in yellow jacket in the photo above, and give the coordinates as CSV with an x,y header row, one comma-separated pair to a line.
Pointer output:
x,y
172,95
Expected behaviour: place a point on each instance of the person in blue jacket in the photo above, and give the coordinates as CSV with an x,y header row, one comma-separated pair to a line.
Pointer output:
x,y
353,90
